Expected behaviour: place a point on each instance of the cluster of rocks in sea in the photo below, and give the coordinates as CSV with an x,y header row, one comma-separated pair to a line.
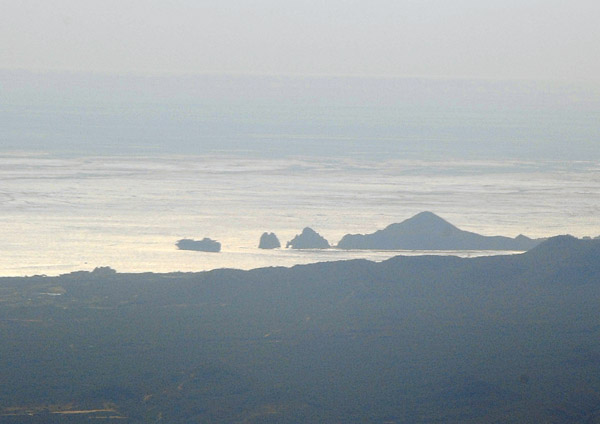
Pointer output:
x,y
424,231
308,239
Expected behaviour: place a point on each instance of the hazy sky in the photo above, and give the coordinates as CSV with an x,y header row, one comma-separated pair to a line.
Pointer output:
x,y
547,39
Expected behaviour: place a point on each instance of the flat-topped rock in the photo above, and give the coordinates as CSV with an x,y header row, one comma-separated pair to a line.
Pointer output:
x,y
308,239
204,245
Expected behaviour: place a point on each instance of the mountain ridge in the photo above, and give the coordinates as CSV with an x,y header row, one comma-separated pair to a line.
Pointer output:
x,y
428,231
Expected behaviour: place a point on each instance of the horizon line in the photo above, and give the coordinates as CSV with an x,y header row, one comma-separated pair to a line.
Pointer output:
x,y
192,74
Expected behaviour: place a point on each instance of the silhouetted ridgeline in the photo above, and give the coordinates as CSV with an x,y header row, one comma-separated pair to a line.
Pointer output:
x,y
412,339
427,231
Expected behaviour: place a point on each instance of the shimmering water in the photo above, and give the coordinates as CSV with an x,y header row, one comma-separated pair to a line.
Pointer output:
x,y
114,169
60,214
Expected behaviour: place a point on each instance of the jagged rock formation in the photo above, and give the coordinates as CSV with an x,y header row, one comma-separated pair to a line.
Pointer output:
x,y
269,241
308,239
204,245
427,231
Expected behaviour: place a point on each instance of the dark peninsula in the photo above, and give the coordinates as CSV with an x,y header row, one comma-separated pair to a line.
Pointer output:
x,y
427,231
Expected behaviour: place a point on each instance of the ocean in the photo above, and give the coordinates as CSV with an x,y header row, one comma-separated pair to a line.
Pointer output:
x,y
113,170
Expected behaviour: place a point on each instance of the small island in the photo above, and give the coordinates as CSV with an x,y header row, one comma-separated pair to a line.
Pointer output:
x,y
268,241
204,245
308,239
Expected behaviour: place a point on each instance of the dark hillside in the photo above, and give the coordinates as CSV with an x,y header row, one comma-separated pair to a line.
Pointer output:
x,y
413,339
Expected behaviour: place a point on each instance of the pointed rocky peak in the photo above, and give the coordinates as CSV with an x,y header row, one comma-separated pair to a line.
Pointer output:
x,y
424,222
428,218
308,239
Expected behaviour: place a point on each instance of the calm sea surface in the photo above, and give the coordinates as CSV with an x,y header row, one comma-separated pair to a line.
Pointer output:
x,y
65,214
112,170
